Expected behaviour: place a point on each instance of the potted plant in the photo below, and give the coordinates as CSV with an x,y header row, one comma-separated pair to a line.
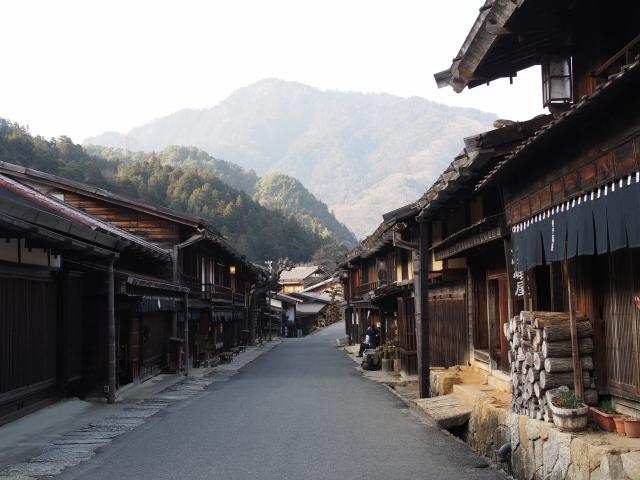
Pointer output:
x,y
395,354
568,413
387,361
604,415
632,427
619,422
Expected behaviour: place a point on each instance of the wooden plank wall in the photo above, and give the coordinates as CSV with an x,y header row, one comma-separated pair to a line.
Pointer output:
x,y
28,339
622,324
448,319
154,229
407,335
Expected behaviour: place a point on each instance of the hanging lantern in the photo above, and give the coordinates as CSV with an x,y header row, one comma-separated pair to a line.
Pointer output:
x,y
557,84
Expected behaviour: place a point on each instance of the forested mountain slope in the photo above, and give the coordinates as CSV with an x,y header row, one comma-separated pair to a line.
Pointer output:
x,y
254,230
339,145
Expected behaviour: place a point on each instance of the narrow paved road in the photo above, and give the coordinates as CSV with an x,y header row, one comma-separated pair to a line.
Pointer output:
x,y
300,411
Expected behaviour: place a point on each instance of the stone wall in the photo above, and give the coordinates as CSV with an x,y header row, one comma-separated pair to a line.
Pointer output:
x,y
541,451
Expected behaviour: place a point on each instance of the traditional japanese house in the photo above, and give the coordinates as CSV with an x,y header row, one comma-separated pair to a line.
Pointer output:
x,y
378,284
60,271
576,206
298,278
310,312
285,307
198,259
468,286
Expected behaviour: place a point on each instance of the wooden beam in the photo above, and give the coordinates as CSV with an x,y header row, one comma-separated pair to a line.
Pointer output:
x,y
622,52
185,307
421,286
575,354
398,242
111,335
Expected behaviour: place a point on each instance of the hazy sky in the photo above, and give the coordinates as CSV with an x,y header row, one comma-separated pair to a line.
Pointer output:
x,y
79,68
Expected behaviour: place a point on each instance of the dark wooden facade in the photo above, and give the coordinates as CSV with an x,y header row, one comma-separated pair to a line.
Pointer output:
x,y
578,197
159,256
378,285
43,290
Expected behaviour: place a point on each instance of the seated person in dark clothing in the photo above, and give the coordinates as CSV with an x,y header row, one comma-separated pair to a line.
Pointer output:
x,y
371,339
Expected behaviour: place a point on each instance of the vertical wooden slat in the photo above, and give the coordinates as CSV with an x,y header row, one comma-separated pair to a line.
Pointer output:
x,y
575,354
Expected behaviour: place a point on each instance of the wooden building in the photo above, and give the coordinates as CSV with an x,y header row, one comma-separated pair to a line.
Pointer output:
x,y
580,196
298,278
378,284
57,282
180,254
469,277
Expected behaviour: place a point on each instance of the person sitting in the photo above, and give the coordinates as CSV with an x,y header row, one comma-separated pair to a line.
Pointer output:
x,y
371,339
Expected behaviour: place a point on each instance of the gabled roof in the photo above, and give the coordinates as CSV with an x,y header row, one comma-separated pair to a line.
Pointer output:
x,y
22,216
20,193
620,86
482,152
507,37
29,174
320,284
383,234
312,297
299,273
309,308
287,299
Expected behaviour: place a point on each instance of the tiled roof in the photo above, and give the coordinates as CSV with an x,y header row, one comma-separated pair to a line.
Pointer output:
x,y
626,74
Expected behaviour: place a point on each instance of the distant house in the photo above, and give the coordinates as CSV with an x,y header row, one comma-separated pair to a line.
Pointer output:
x,y
311,312
285,307
299,278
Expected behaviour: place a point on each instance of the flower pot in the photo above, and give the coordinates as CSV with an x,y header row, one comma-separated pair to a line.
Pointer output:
x,y
632,427
619,421
570,419
396,365
387,365
604,420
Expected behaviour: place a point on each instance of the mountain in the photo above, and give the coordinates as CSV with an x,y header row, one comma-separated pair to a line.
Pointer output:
x,y
274,191
284,193
256,231
341,145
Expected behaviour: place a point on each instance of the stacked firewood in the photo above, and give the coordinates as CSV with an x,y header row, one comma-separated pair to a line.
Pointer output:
x,y
540,359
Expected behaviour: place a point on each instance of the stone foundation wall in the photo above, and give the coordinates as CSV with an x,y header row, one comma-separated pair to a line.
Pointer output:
x,y
541,451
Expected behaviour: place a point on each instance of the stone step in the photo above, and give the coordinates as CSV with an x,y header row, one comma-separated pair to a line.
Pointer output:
x,y
447,410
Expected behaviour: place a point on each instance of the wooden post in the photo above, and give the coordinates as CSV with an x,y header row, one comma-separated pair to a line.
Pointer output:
x,y
185,308
575,354
111,334
176,280
421,286
270,319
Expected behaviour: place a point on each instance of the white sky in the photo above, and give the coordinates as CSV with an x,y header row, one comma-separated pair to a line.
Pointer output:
x,y
79,68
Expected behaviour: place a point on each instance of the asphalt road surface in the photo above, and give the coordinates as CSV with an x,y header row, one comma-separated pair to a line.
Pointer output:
x,y
300,411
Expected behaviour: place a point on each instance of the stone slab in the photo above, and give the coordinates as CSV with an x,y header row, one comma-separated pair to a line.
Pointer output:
x,y
447,410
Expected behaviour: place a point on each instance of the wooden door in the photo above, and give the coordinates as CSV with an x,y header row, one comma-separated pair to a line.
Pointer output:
x,y
622,323
497,313
407,335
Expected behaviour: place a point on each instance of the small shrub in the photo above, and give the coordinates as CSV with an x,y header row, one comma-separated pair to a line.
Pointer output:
x,y
567,400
